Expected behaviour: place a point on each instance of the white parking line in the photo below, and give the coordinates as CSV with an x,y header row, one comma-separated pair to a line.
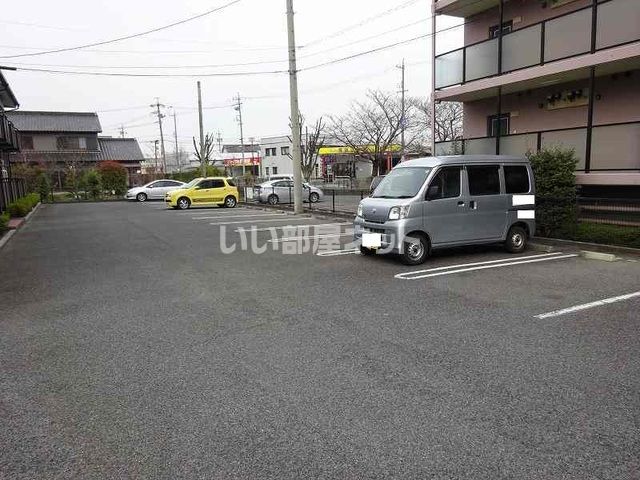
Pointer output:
x,y
215,217
268,229
337,253
481,266
289,239
585,306
259,221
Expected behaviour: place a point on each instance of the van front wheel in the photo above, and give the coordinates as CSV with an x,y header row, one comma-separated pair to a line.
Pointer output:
x,y
415,249
516,240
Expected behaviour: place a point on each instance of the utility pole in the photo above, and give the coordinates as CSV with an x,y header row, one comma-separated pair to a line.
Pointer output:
x,y
203,165
238,108
403,114
122,132
219,140
157,105
295,112
155,153
175,138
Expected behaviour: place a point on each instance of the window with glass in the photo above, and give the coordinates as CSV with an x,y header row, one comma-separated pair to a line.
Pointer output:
x,y
402,183
446,184
26,142
498,122
484,180
284,150
516,179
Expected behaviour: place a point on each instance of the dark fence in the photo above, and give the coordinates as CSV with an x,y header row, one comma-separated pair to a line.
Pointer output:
x,y
610,211
333,200
10,190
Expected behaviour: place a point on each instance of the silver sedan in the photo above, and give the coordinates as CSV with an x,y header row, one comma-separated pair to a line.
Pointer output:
x,y
155,190
281,191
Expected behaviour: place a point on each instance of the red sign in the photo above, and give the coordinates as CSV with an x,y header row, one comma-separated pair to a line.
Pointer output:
x,y
237,162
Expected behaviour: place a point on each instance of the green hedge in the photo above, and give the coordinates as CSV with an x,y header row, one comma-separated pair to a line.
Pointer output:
x,y
4,222
22,206
606,234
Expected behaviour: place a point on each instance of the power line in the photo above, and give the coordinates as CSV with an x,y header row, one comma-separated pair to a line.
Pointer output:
x,y
219,65
127,37
367,52
152,75
360,24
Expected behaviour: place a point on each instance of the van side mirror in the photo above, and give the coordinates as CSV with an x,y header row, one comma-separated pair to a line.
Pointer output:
x,y
433,192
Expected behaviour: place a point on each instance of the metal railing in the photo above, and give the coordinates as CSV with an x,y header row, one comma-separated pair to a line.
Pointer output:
x,y
610,23
10,190
336,200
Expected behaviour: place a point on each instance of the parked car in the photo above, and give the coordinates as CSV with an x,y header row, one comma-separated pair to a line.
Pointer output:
x,y
208,191
281,191
448,201
282,176
155,190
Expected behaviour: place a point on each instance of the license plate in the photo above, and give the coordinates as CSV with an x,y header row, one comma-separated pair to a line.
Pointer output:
x,y
371,240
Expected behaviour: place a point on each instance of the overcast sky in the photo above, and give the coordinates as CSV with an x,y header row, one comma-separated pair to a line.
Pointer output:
x,y
248,32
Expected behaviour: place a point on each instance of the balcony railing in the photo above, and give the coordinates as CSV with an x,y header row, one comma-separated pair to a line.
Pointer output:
x,y
614,147
564,36
8,135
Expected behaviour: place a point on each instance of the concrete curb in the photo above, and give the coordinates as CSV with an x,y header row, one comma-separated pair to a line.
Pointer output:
x,y
5,238
595,247
603,257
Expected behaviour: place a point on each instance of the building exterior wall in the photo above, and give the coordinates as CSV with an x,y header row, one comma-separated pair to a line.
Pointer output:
x,y
617,100
281,162
522,12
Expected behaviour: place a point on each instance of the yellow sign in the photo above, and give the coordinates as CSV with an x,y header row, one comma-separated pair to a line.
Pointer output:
x,y
351,150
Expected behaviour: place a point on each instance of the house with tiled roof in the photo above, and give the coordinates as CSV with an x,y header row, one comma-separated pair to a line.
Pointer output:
x,y
62,140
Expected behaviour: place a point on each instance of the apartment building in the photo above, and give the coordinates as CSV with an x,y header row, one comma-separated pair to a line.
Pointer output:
x,y
539,73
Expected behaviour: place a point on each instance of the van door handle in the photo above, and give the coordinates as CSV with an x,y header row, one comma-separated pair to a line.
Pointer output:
x,y
473,205
461,204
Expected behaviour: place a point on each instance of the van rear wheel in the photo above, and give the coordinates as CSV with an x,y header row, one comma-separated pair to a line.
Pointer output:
x,y
415,249
516,240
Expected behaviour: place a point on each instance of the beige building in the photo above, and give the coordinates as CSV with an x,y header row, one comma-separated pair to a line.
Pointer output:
x,y
538,73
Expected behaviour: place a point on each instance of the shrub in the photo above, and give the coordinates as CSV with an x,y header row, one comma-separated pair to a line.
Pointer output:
x,y
43,186
607,234
30,174
554,171
4,222
114,176
93,184
19,208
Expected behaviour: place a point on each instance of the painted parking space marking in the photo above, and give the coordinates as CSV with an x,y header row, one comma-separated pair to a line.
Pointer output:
x,y
586,306
259,220
468,267
269,229
216,217
337,253
309,237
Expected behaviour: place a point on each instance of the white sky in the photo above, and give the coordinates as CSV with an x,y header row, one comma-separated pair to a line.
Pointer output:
x,y
251,31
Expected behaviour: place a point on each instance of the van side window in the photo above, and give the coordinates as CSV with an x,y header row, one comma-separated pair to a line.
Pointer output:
x,y
447,181
516,179
484,180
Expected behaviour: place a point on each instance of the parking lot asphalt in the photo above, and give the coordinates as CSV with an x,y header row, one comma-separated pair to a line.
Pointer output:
x,y
131,346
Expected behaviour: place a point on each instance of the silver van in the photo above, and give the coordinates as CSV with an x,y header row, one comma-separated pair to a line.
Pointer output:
x,y
446,201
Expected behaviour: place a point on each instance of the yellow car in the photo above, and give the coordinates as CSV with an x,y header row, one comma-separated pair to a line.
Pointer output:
x,y
204,191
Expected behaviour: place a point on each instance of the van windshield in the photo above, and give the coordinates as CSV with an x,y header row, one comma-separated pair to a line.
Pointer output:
x,y
402,183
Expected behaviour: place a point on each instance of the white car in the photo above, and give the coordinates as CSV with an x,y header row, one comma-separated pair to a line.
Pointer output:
x,y
155,190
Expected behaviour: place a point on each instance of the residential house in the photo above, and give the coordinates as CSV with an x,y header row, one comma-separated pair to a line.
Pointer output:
x,y
542,73
59,141
125,151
